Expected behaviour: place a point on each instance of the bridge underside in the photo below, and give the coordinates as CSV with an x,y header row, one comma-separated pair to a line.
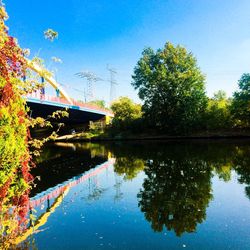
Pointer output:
x,y
76,116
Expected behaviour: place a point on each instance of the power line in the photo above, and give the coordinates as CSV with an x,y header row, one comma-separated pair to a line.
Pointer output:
x,y
113,82
69,87
91,79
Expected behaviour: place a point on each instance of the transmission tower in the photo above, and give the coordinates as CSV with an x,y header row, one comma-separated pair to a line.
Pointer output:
x,y
91,79
113,82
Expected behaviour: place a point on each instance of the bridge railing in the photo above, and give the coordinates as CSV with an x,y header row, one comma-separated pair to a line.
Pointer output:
x,y
45,97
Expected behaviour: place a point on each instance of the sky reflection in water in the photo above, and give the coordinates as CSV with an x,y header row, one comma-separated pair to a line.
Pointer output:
x,y
155,196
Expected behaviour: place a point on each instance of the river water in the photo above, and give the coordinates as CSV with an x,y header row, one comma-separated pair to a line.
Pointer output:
x,y
141,195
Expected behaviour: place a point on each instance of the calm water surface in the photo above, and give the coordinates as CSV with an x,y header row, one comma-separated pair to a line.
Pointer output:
x,y
164,195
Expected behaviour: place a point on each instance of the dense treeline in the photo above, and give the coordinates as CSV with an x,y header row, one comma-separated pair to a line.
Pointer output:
x,y
172,89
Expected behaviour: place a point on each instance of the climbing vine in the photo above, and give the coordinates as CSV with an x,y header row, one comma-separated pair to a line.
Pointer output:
x,y
16,145
15,158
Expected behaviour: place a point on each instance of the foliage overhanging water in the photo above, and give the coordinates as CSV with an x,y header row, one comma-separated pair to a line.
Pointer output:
x,y
151,195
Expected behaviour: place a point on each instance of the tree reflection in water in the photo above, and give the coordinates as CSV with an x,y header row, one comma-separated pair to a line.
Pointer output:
x,y
175,194
241,164
129,167
177,189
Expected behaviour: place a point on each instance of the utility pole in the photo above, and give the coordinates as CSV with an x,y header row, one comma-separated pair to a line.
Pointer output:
x,y
113,82
91,79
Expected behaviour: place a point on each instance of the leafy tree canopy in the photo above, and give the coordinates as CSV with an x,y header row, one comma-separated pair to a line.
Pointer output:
x,y
125,109
220,95
50,34
217,113
172,87
241,102
100,103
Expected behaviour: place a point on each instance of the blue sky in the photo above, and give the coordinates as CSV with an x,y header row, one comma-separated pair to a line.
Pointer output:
x,y
93,34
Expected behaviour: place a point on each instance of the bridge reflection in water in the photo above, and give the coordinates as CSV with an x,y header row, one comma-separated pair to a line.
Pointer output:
x,y
153,196
57,193
60,167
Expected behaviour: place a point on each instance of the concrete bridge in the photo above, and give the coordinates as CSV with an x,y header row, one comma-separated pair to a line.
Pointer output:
x,y
42,105
79,112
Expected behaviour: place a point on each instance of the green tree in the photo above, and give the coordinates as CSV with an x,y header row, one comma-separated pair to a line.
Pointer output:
x,y
99,103
240,108
172,87
218,114
50,34
126,112
220,95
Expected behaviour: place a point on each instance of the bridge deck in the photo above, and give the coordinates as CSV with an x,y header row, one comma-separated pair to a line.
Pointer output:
x,y
79,112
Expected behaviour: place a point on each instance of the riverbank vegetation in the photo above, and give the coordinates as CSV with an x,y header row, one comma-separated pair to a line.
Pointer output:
x,y
16,144
14,136
174,101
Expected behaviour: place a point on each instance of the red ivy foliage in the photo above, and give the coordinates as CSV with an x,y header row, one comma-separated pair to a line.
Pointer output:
x,y
4,190
12,67
12,64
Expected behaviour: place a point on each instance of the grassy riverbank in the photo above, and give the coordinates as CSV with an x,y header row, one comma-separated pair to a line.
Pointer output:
x,y
103,136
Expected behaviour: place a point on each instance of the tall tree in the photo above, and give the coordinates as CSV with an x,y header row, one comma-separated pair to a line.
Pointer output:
x,y
172,87
125,112
241,102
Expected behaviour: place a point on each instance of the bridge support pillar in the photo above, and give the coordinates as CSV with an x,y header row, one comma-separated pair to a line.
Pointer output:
x,y
107,119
